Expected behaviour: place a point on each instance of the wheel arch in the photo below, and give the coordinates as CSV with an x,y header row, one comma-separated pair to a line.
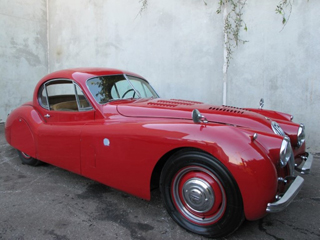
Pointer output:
x,y
155,176
21,127
217,216
252,169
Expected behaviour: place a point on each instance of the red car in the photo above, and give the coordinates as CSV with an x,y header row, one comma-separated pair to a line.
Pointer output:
x,y
215,165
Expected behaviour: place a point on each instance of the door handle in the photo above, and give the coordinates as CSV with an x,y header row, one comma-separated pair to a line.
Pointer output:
x,y
47,115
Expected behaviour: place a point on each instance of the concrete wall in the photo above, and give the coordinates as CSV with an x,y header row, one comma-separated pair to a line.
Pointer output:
x,y
177,45
23,51
280,66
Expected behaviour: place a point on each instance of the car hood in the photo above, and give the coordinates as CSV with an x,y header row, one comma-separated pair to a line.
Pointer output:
x,y
182,109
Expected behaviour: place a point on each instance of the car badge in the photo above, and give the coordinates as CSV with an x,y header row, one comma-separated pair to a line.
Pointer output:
x,y
261,103
106,142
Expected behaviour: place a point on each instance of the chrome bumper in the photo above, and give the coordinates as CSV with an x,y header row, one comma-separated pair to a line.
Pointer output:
x,y
294,188
287,198
305,169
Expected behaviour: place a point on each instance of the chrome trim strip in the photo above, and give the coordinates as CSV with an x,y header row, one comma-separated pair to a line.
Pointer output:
x,y
305,169
287,198
291,165
76,95
45,86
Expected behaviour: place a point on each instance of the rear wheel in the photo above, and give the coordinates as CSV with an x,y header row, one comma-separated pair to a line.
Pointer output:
x,y
26,159
201,195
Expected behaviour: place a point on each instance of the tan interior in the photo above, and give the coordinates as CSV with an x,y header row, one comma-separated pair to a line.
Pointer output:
x,y
69,105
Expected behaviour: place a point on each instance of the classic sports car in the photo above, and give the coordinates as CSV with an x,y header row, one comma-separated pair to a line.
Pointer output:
x,y
215,165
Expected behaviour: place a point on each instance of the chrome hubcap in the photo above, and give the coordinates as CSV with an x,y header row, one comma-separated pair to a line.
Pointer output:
x,y
198,195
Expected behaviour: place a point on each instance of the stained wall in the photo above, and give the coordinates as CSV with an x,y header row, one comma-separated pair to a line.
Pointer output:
x,y
177,45
23,51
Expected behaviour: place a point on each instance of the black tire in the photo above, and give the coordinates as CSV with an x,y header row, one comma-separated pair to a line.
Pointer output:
x,y
28,160
201,195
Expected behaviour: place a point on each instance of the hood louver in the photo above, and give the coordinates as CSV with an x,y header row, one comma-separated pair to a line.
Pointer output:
x,y
172,103
227,109
182,110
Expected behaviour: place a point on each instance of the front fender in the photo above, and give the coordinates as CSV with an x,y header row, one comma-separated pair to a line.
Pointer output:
x,y
272,114
252,163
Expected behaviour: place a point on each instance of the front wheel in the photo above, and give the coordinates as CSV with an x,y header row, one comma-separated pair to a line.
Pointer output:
x,y
26,159
201,195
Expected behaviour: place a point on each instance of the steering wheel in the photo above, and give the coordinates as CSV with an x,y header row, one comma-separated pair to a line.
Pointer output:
x,y
130,90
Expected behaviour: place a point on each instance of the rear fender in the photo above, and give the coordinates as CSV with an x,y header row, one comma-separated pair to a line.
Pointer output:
x,y
20,129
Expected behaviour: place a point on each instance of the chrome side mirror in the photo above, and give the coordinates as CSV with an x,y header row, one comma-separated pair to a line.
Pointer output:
x,y
197,117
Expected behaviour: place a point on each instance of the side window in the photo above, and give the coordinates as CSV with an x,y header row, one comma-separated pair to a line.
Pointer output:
x,y
83,103
43,100
63,95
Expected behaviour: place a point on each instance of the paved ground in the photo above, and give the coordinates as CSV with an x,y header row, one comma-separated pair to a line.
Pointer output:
x,y
46,202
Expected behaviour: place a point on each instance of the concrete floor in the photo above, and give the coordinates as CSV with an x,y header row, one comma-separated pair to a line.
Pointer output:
x,y
46,202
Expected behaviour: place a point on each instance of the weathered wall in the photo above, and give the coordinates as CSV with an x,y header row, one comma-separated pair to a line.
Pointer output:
x,y
23,51
177,45
280,66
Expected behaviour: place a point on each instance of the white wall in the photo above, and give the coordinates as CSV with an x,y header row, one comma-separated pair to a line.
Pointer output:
x,y
177,45
23,51
280,66
174,44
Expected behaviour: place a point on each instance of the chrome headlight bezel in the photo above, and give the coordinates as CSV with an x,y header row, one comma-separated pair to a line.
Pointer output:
x,y
277,129
285,151
301,135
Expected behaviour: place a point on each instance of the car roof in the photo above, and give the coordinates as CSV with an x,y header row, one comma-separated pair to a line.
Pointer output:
x,y
80,75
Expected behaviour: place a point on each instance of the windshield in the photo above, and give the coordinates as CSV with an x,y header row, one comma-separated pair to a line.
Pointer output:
x,y
116,87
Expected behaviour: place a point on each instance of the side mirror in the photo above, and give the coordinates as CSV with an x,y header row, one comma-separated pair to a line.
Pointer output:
x,y
197,117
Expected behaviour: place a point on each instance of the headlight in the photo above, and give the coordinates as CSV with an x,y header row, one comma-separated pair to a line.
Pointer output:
x,y
301,135
277,129
285,152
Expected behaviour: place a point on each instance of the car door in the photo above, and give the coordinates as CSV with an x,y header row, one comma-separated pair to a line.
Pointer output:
x,y
66,110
